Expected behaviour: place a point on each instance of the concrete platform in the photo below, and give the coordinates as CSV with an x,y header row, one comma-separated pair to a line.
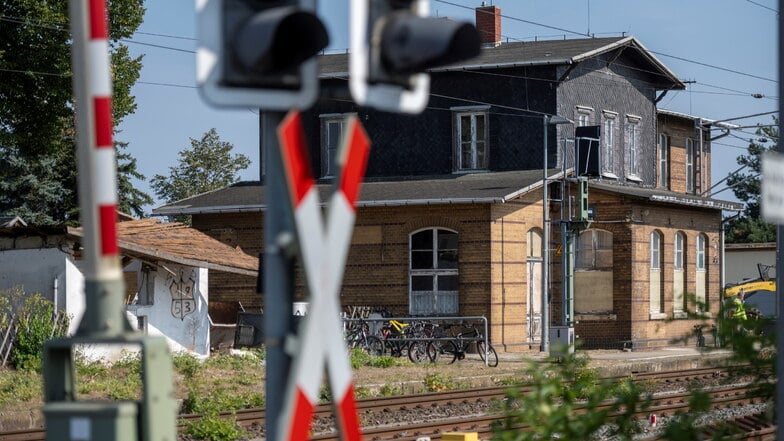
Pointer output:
x,y
614,362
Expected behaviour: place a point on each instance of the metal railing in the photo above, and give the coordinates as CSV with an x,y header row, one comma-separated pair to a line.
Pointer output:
x,y
455,320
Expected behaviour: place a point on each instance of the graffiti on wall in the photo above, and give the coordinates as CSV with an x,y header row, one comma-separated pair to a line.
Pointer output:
x,y
182,287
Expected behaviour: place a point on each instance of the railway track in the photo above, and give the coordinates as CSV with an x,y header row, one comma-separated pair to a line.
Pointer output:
x,y
422,402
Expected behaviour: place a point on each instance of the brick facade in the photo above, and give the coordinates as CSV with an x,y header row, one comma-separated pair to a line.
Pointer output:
x,y
631,221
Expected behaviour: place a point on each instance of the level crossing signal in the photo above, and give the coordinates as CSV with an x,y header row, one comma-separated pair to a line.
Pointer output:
x,y
323,245
393,43
259,53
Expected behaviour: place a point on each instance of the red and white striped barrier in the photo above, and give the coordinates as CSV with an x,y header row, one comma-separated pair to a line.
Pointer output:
x,y
97,166
323,247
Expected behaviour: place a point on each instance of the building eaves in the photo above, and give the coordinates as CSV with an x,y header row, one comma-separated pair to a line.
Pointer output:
x,y
526,54
669,197
705,121
474,188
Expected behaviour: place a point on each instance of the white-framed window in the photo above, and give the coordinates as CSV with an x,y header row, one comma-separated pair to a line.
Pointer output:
x,y
700,278
583,116
333,127
141,324
678,252
471,134
700,261
690,150
433,272
656,279
664,160
678,277
655,251
609,124
632,139
594,250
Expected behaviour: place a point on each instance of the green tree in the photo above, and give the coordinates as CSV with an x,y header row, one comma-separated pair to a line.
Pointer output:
x,y
750,227
37,143
207,165
132,200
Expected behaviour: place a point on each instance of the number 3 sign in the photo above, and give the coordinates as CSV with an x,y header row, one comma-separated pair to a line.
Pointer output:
x,y
323,247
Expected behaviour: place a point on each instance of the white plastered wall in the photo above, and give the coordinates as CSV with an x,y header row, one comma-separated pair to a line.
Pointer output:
x,y
178,309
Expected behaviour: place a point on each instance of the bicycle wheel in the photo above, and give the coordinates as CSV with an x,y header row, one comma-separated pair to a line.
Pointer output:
x,y
417,352
442,352
492,356
374,346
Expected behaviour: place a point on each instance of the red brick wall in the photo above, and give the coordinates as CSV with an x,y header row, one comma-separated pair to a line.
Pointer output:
x,y
488,23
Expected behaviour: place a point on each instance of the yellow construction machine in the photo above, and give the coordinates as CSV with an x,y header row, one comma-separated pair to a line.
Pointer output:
x,y
759,293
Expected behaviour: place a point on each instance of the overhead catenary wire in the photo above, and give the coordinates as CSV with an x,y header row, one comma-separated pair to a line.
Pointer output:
x,y
130,41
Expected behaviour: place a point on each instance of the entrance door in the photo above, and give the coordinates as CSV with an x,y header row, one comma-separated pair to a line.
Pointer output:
x,y
534,315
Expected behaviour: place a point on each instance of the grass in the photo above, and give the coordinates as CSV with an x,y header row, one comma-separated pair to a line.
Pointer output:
x,y
228,382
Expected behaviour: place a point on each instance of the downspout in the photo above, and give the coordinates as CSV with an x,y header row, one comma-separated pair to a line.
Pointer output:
x,y
701,130
54,291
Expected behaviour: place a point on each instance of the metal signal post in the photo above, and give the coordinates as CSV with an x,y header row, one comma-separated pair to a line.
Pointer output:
x,y
153,418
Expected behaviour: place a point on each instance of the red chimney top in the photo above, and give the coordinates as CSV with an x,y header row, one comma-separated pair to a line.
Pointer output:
x,y
488,23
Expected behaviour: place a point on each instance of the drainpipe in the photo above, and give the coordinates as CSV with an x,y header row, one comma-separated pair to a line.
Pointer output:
x,y
701,130
54,292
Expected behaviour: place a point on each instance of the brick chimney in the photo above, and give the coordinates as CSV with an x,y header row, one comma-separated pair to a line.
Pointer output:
x,y
488,23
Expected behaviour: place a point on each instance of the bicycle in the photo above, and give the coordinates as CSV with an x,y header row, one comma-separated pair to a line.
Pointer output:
x,y
358,336
400,338
448,351
421,332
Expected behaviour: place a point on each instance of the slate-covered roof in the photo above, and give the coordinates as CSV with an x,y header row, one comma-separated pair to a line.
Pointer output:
x,y
450,189
538,53
665,196
175,242
476,188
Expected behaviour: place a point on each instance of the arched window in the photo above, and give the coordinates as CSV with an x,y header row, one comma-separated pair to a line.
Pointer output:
x,y
656,285
433,272
679,277
701,277
534,248
701,240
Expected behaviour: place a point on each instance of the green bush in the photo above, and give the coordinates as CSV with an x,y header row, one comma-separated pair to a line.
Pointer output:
x,y
186,364
435,382
220,400
559,389
212,427
37,323
360,358
388,390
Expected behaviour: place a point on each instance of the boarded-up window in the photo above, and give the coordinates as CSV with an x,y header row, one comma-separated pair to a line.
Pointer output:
x,y
594,250
593,276
534,243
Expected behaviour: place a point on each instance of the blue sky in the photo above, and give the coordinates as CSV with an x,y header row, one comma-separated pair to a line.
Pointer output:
x,y
727,46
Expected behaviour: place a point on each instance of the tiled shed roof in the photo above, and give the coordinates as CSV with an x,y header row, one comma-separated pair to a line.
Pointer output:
x,y
179,243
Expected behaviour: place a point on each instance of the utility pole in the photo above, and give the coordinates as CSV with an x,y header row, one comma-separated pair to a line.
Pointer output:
x,y
779,263
277,271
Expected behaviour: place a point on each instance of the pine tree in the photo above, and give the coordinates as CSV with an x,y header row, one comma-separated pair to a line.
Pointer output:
x,y
746,184
38,177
